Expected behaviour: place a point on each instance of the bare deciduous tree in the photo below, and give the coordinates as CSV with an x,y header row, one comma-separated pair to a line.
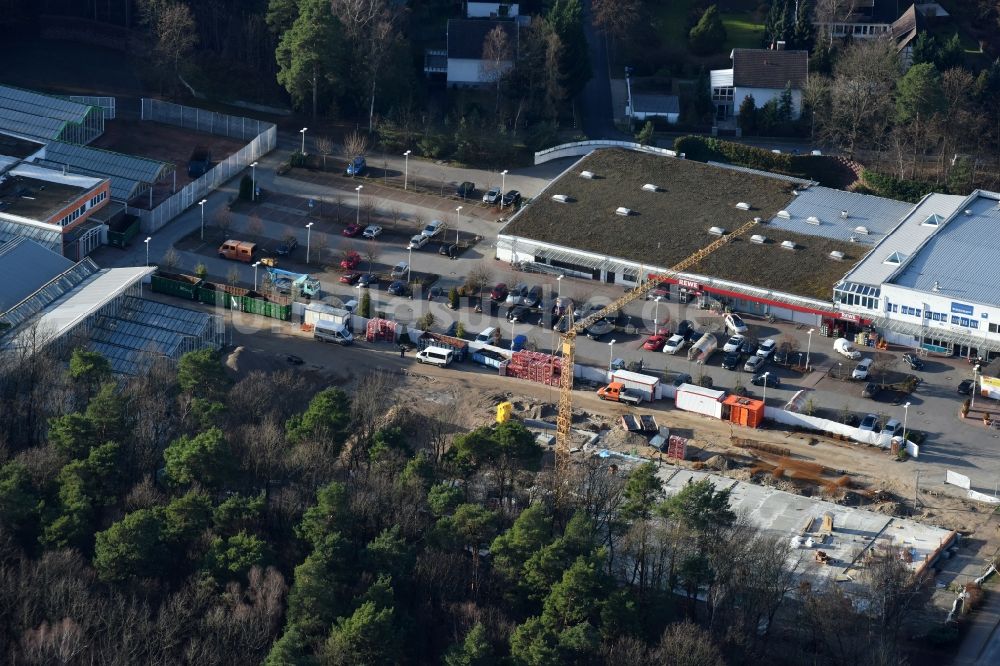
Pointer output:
x,y
255,225
171,259
176,34
355,144
324,145
371,253
322,243
479,277
861,101
369,205
496,58
223,220
233,276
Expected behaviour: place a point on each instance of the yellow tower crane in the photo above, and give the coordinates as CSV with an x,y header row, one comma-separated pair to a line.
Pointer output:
x,y
565,416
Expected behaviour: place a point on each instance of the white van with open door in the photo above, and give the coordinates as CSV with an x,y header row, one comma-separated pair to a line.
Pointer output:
x,y
435,356
327,331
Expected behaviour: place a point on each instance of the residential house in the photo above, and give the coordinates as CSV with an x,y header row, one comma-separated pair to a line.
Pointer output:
x,y
647,107
859,19
467,64
491,9
761,73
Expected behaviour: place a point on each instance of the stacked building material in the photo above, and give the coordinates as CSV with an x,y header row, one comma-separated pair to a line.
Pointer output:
x,y
380,329
533,366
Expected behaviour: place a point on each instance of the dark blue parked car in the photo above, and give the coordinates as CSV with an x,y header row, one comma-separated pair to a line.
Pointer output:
x,y
357,166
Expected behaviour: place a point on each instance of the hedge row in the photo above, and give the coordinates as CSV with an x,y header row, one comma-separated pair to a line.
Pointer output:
x,y
706,149
895,188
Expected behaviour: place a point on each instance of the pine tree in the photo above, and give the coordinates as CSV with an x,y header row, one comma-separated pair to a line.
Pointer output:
x,y
709,34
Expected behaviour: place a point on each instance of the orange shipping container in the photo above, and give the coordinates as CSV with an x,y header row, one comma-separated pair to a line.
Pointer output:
x,y
743,411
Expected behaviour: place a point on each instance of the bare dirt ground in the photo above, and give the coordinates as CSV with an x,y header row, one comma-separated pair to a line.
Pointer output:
x,y
804,463
165,143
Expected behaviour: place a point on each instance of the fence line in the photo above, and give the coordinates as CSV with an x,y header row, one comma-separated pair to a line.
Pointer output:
x,y
264,139
105,104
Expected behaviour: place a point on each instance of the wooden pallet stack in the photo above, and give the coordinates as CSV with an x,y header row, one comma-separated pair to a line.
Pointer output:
x,y
380,329
533,366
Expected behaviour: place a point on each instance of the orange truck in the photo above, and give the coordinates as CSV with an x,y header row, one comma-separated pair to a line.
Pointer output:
x,y
238,250
616,392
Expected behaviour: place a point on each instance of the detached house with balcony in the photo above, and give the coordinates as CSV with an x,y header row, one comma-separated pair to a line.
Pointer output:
x,y
761,73
467,62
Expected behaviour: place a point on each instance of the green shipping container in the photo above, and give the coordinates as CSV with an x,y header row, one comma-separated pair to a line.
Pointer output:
x,y
125,236
182,288
259,306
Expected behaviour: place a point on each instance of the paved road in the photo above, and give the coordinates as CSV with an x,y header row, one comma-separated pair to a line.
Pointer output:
x,y
595,101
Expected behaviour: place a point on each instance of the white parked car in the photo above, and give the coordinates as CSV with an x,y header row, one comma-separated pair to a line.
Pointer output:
x,y
433,229
492,196
674,344
733,344
869,423
734,324
766,348
372,231
844,347
400,270
892,428
418,242
861,372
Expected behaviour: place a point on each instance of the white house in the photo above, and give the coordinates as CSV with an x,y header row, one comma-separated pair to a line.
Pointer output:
x,y
762,73
491,9
646,107
467,66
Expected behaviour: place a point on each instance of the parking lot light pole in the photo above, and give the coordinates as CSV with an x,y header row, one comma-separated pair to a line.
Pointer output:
x,y
972,393
406,168
906,413
202,204
255,265
764,377
308,238
512,335
458,222
303,133
503,186
559,287
148,238
809,346
409,260
656,315
611,354
253,181
358,190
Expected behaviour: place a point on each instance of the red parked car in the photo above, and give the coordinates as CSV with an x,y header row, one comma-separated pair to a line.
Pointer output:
x,y
654,343
499,292
350,278
352,230
351,261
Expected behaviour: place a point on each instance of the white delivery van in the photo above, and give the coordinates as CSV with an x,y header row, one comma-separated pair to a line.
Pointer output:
x,y
488,336
328,331
435,356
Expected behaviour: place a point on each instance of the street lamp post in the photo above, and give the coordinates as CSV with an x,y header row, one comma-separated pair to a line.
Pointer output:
x,y
512,335
656,315
253,181
358,190
809,346
303,133
255,265
409,261
906,413
972,394
611,354
458,222
559,287
765,376
406,168
628,86
148,238
308,238
503,186
202,204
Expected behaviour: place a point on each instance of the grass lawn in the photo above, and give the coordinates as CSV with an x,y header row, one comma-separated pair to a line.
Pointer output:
x,y
742,31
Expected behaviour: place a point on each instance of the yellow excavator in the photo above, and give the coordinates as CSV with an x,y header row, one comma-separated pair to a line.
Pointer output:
x,y
568,344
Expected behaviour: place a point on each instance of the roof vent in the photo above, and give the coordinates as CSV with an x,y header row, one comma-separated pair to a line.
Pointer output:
x,y
717,231
743,205
844,214
795,193
895,259
649,187
812,219
932,220
623,211
937,286
758,220
561,198
788,245
853,239
968,211
861,230
758,239
837,255
587,174
784,214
